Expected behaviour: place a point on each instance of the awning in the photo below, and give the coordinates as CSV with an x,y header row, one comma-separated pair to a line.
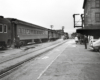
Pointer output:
x,y
94,32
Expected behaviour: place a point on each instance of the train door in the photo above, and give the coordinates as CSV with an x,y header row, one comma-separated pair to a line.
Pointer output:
x,y
14,32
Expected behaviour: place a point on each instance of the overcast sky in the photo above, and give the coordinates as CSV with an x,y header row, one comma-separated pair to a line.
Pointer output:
x,y
43,12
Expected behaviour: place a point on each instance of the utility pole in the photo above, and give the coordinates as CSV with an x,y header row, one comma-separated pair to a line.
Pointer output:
x,y
51,30
63,29
51,27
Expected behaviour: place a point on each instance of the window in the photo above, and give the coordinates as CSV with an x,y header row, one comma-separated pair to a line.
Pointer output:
x,y
25,31
22,31
19,30
97,3
34,31
5,28
31,31
97,17
1,28
28,31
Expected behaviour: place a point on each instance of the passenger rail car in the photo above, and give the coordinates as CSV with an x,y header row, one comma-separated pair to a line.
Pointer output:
x,y
5,32
30,32
10,28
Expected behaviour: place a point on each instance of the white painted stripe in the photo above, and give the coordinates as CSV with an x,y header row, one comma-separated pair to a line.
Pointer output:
x,y
45,57
73,45
47,67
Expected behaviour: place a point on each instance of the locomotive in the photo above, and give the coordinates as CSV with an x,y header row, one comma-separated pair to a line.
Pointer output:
x,y
10,28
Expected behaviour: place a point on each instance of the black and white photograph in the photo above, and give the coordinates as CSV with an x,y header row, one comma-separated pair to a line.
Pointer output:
x,y
49,39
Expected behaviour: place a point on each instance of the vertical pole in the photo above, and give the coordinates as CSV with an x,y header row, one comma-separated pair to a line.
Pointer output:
x,y
82,18
52,30
74,19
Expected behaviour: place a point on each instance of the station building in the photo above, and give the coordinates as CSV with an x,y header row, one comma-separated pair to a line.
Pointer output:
x,y
91,18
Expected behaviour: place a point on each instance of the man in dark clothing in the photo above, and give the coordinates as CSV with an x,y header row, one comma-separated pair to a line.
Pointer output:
x,y
85,41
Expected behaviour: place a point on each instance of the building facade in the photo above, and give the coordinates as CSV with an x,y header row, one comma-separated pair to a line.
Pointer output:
x,y
91,18
91,14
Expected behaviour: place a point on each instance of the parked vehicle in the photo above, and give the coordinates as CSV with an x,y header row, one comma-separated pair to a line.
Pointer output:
x,y
95,45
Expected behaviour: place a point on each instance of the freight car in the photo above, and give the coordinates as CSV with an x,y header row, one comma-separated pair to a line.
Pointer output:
x,y
10,28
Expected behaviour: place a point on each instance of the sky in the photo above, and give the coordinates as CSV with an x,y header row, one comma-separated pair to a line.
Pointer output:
x,y
43,12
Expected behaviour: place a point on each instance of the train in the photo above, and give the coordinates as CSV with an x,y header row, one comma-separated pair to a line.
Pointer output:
x,y
28,32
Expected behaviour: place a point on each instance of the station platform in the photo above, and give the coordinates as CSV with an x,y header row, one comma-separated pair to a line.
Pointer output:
x,y
75,63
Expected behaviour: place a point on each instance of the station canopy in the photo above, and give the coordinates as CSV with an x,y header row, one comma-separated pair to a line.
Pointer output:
x,y
89,31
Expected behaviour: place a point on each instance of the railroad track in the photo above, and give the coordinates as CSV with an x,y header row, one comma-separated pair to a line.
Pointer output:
x,y
24,52
7,70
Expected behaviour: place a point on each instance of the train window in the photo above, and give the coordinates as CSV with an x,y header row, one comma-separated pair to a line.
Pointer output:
x,y
5,28
19,30
34,32
22,31
28,31
31,31
1,28
25,31
41,32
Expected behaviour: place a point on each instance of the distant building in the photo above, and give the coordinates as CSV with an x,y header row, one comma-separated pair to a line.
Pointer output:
x,y
91,18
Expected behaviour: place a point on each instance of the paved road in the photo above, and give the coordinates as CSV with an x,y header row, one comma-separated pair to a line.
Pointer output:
x,y
67,62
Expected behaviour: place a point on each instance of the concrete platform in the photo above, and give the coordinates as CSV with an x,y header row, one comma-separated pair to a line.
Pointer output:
x,y
75,63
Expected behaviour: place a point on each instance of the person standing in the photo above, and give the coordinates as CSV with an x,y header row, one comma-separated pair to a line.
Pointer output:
x,y
76,39
91,40
85,41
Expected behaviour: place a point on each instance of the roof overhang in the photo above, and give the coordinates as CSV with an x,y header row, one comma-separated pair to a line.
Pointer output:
x,y
89,31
